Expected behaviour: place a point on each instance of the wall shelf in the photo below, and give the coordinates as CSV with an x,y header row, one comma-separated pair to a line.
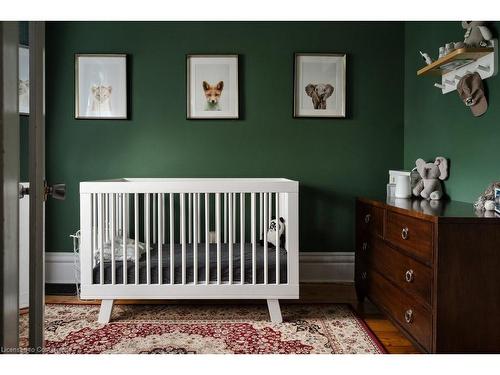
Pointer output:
x,y
453,60
452,67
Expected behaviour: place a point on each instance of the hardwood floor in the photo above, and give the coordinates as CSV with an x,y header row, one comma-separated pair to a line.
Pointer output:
x,y
387,333
393,340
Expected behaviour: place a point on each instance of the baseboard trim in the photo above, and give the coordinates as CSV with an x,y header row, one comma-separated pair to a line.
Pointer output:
x,y
24,300
59,268
326,267
315,267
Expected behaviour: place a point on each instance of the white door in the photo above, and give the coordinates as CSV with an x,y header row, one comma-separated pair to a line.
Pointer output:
x,y
38,189
9,188
24,247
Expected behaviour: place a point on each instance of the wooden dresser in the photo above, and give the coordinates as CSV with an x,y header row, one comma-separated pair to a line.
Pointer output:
x,y
434,269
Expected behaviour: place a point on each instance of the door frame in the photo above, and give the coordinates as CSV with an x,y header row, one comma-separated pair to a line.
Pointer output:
x,y
37,186
9,188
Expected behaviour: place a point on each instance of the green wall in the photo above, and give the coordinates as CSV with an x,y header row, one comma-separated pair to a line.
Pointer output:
x,y
437,124
334,159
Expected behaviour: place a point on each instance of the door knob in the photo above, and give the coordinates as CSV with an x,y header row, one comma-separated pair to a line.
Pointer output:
x,y
56,191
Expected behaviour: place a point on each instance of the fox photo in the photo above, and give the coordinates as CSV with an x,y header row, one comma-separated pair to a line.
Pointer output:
x,y
212,87
319,85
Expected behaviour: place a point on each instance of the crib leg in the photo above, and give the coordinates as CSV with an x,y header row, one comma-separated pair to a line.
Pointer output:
x,y
274,310
106,310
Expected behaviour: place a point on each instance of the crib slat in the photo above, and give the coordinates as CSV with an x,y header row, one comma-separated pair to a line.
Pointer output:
x,y
94,228
162,209
136,233
218,230
231,235
254,239
160,236
147,239
195,238
261,215
106,218
270,207
207,241
266,212
91,229
276,197
171,222
242,238
101,239
113,208
183,236
124,259
198,215
190,218
225,217
234,216
127,214
155,203
112,235
120,214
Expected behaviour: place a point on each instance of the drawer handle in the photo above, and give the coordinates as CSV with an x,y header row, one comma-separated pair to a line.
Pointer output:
x,y
404,233
409,276
409,316
365,246
363,275
367,218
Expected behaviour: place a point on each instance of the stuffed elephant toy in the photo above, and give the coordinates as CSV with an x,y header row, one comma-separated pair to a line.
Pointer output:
x,y
477,34
429,187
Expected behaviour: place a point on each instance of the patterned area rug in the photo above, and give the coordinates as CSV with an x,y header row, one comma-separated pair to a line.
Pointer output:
x,y
206,329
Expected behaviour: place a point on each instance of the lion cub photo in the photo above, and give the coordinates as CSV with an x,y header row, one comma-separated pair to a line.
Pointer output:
x,y
24,95
100,99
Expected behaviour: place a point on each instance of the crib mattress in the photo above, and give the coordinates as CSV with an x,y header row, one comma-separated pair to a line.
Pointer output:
x,y
201,265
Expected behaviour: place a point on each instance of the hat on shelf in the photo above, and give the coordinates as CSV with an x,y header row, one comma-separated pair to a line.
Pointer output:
x,y
471,91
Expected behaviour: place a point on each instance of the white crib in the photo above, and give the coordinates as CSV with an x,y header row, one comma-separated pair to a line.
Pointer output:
x,y
188,238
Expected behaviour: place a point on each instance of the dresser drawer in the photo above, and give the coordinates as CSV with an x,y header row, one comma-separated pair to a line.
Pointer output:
x,y
370,219
364,242
412,316
411,234
408,274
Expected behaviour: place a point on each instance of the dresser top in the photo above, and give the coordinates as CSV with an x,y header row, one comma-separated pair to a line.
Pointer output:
x,y
433,210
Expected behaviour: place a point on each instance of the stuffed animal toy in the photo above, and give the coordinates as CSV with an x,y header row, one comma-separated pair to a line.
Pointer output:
x,y
429,187
487,200
477,35
271,233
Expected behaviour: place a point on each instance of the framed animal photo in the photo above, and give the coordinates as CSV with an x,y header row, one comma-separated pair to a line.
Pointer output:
x,y
24,80
101,86
212,87
319,85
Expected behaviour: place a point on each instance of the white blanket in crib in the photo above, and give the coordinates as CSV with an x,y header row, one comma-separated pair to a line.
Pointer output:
x,y
118,243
